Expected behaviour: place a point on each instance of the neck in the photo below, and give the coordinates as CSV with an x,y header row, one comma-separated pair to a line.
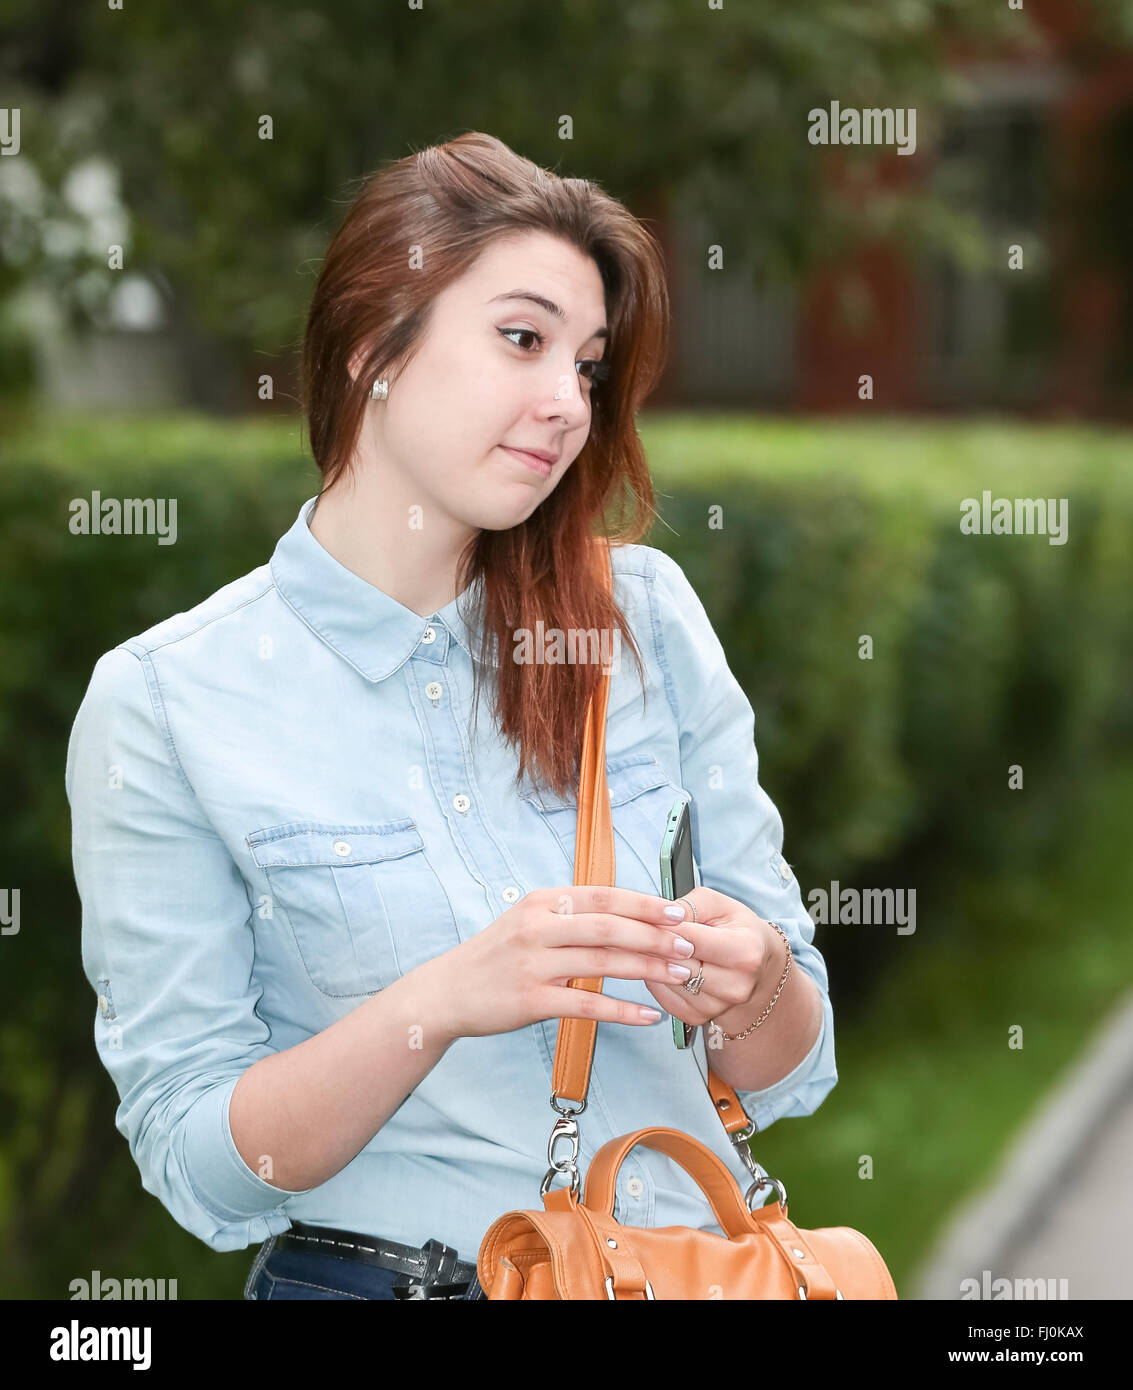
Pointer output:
x,y
364,524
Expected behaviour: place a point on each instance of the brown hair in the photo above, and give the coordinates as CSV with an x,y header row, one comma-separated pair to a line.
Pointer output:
x,y
452,201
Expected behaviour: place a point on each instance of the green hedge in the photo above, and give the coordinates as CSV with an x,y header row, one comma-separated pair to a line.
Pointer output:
x,y
988,651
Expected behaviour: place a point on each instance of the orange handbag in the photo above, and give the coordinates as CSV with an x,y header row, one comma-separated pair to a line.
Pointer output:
x,y
576,1250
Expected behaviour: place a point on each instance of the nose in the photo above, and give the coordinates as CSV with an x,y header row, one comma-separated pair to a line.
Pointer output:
x,y
567,401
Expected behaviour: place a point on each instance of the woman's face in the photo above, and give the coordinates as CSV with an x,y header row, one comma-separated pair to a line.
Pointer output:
x,y
496,371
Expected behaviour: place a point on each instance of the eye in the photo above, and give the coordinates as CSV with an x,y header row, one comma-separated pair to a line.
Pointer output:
x,y
599,369
523,332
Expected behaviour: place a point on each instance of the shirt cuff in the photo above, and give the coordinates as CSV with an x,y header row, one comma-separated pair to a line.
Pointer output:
x,y
214,1166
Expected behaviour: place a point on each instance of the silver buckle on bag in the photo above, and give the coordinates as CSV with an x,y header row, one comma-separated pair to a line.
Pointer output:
x,y
610,1289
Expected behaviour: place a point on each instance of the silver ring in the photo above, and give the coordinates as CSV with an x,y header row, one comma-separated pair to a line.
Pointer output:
x,y
693,985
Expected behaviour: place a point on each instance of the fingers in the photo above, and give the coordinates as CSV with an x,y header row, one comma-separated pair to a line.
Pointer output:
x,y
604,929
621,902
590,962
601,915
564,1002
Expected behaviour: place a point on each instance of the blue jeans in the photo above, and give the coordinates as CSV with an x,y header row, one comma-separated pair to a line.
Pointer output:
x,y
279,1274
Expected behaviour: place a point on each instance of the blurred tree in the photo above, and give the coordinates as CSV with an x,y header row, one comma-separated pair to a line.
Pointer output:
x,y
671,104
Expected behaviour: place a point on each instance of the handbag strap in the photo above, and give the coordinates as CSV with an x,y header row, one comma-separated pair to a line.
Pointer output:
x,y
594,863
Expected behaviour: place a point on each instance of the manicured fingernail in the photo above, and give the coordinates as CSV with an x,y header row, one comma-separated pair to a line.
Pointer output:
x,y
676,913
686,948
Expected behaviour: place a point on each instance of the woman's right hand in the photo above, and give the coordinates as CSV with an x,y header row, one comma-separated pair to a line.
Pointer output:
x,y
515,971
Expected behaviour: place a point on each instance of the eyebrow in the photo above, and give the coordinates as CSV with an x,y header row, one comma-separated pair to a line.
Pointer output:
x,y
548,304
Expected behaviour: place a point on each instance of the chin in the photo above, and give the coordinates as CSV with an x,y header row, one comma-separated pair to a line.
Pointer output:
x,y
501,508
503,519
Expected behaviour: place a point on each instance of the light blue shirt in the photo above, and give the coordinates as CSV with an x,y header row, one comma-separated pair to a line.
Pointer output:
x,y
278,807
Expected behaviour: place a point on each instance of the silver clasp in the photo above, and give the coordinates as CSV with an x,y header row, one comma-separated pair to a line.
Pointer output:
x,y
565,1127
765,1181
762,1180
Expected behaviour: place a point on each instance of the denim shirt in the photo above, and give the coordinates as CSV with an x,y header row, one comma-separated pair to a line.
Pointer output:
x,y
279,807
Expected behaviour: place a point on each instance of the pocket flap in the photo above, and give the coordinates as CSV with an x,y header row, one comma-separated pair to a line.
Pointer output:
x,y
297,845
627,777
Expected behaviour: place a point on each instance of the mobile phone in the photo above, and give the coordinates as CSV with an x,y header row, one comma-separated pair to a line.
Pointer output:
x,y
677,879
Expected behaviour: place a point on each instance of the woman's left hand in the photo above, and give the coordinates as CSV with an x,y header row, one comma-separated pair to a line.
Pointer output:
x,y
738,949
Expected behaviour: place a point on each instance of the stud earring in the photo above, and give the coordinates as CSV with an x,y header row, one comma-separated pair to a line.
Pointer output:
x,y
380,390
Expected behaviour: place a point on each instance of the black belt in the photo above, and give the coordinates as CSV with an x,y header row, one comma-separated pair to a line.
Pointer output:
x,y
433,1270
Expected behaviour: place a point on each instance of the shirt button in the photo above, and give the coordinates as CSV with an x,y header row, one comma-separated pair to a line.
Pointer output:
x,y
635,1187
434,690
341,848
510,894
461,803
429,635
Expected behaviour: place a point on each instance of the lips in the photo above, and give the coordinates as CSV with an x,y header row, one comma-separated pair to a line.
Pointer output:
x,y
535,461
545,454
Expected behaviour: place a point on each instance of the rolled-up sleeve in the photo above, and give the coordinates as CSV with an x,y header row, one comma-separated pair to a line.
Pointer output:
x,y
167,945
737,832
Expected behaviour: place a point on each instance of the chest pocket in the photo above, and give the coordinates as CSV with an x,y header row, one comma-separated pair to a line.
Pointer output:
x,y
363,901
641,797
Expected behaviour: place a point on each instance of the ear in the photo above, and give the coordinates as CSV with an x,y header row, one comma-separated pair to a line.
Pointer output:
x,y
357,361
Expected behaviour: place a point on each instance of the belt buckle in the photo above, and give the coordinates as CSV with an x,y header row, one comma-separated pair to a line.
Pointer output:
x,y
436,1280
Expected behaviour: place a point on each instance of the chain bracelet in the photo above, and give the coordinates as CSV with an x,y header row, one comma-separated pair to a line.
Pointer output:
x,y
782,981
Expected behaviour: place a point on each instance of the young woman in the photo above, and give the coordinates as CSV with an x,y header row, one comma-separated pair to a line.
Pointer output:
x,y
329,916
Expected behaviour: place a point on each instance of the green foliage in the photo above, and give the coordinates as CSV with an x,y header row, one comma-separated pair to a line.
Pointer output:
x,y
987,650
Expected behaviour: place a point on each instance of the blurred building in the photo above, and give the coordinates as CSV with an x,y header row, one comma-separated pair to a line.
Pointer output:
x,y
1040,154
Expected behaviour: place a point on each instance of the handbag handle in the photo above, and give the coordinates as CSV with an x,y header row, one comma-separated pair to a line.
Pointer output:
x,y
594,862
708,1171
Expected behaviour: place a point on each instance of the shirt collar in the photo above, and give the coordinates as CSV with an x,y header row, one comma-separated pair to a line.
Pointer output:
x,y
361,622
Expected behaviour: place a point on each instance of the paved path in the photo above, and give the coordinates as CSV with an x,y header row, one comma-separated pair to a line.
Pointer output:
x,y
1061,1205
1086,1234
